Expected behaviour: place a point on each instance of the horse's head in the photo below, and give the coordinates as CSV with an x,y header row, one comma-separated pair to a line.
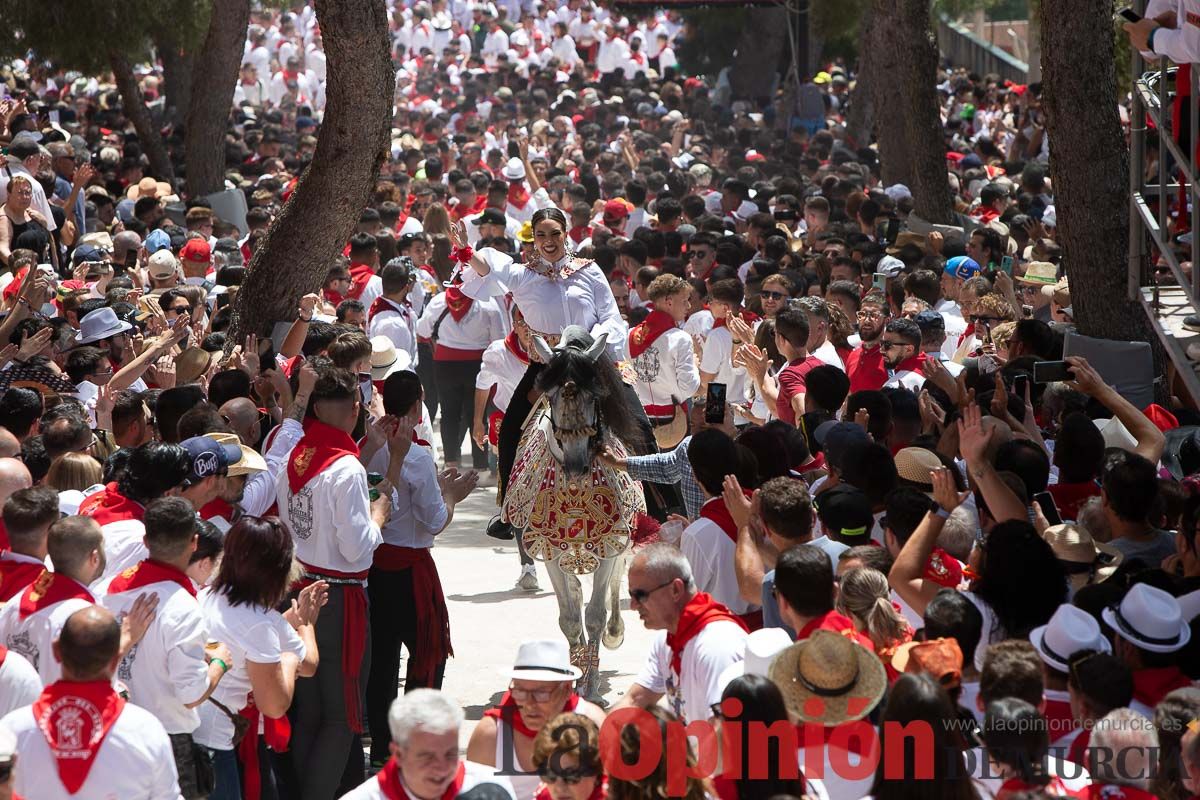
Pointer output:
x,y
570,384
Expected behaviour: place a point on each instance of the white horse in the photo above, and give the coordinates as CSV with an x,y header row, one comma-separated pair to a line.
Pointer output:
x,y
576,512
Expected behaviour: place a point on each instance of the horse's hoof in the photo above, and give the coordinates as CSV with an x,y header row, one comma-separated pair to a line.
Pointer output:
x,y
613,639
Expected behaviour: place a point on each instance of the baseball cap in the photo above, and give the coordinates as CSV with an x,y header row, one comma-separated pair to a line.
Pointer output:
x,y
209,457
616,209
835,438
162,264
196,250
930,321
845,510
491,216
86,252
962,267
157,240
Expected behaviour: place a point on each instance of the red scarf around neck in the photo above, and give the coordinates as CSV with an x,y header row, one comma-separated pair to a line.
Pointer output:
x,y
393,788
148,572
717,511
599,793
381,304
360,275
320,446
109,505
696,615
514,346
911,364
460,211
579,233
518,197
218,508
508,711
15,576
48,589
1150,686
457,302
75,717
647,332
748,316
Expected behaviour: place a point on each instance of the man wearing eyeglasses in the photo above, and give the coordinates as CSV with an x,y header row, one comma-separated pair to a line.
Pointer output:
x,y
864,365
901,346
699,637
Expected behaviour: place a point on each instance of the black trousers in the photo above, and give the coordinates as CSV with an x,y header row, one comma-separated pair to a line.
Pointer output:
x,y
428,380
393,622
456,391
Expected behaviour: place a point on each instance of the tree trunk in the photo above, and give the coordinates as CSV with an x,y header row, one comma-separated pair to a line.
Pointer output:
x,y
913,36
881,55
216,75
134,107
860,117
1033,42
177,69
759,48
1089,166
319,217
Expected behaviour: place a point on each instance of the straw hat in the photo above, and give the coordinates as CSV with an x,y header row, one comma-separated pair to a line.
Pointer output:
x,y
1087,561
148,187
1039,273
251,462
191,364
915,463
829,679
904,239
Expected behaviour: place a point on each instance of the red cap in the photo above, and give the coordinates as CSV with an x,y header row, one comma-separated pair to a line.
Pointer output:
x,y
196,250
616,209
1163,420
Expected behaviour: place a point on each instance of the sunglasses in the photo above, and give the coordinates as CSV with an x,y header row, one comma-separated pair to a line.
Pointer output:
x,y
570,778
642,595
179,310
889,345
773,295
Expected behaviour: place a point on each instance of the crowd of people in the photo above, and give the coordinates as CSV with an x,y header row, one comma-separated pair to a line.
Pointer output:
x,y
878,496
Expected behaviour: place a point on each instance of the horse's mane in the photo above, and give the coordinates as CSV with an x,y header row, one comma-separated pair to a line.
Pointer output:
x,y
617,414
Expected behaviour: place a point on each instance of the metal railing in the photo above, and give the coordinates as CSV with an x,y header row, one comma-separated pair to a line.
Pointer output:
x,y
964,49
1149,228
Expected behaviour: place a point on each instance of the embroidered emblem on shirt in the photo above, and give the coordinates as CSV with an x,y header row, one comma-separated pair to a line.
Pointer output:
x,y
21,643
647,366
300,508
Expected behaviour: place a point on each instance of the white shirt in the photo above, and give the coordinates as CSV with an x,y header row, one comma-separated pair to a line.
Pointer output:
x,y
494,44
482,324
501,368
123,546
259,494
330,517
698,324
827,774
710,552
33,636
473,775
909,379
718,360
252,633
165,670
829,354
666,370
706,654
418,509
20,684
564,50
135,761
373,289
398,324
583,298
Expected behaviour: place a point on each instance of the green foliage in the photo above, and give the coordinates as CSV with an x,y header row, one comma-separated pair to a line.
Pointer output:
x,y
79,34
832,21
712,35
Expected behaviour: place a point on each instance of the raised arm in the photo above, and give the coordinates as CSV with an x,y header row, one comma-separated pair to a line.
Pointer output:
x,y
1150,440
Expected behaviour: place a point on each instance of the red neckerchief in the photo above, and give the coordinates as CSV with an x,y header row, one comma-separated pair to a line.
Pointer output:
x,y
393,788
360,275
518,197
599,793
333,297
457,302
579,233
748,316
418,440
147,572
15,576
48,589
109,505
1150,686
715,510
696,615
839,623
290,74
218,508
74,717
381,304
1014,786
970,331
645,333
460,211
514,346
320,446
508,711
912,364
943,569
986,214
